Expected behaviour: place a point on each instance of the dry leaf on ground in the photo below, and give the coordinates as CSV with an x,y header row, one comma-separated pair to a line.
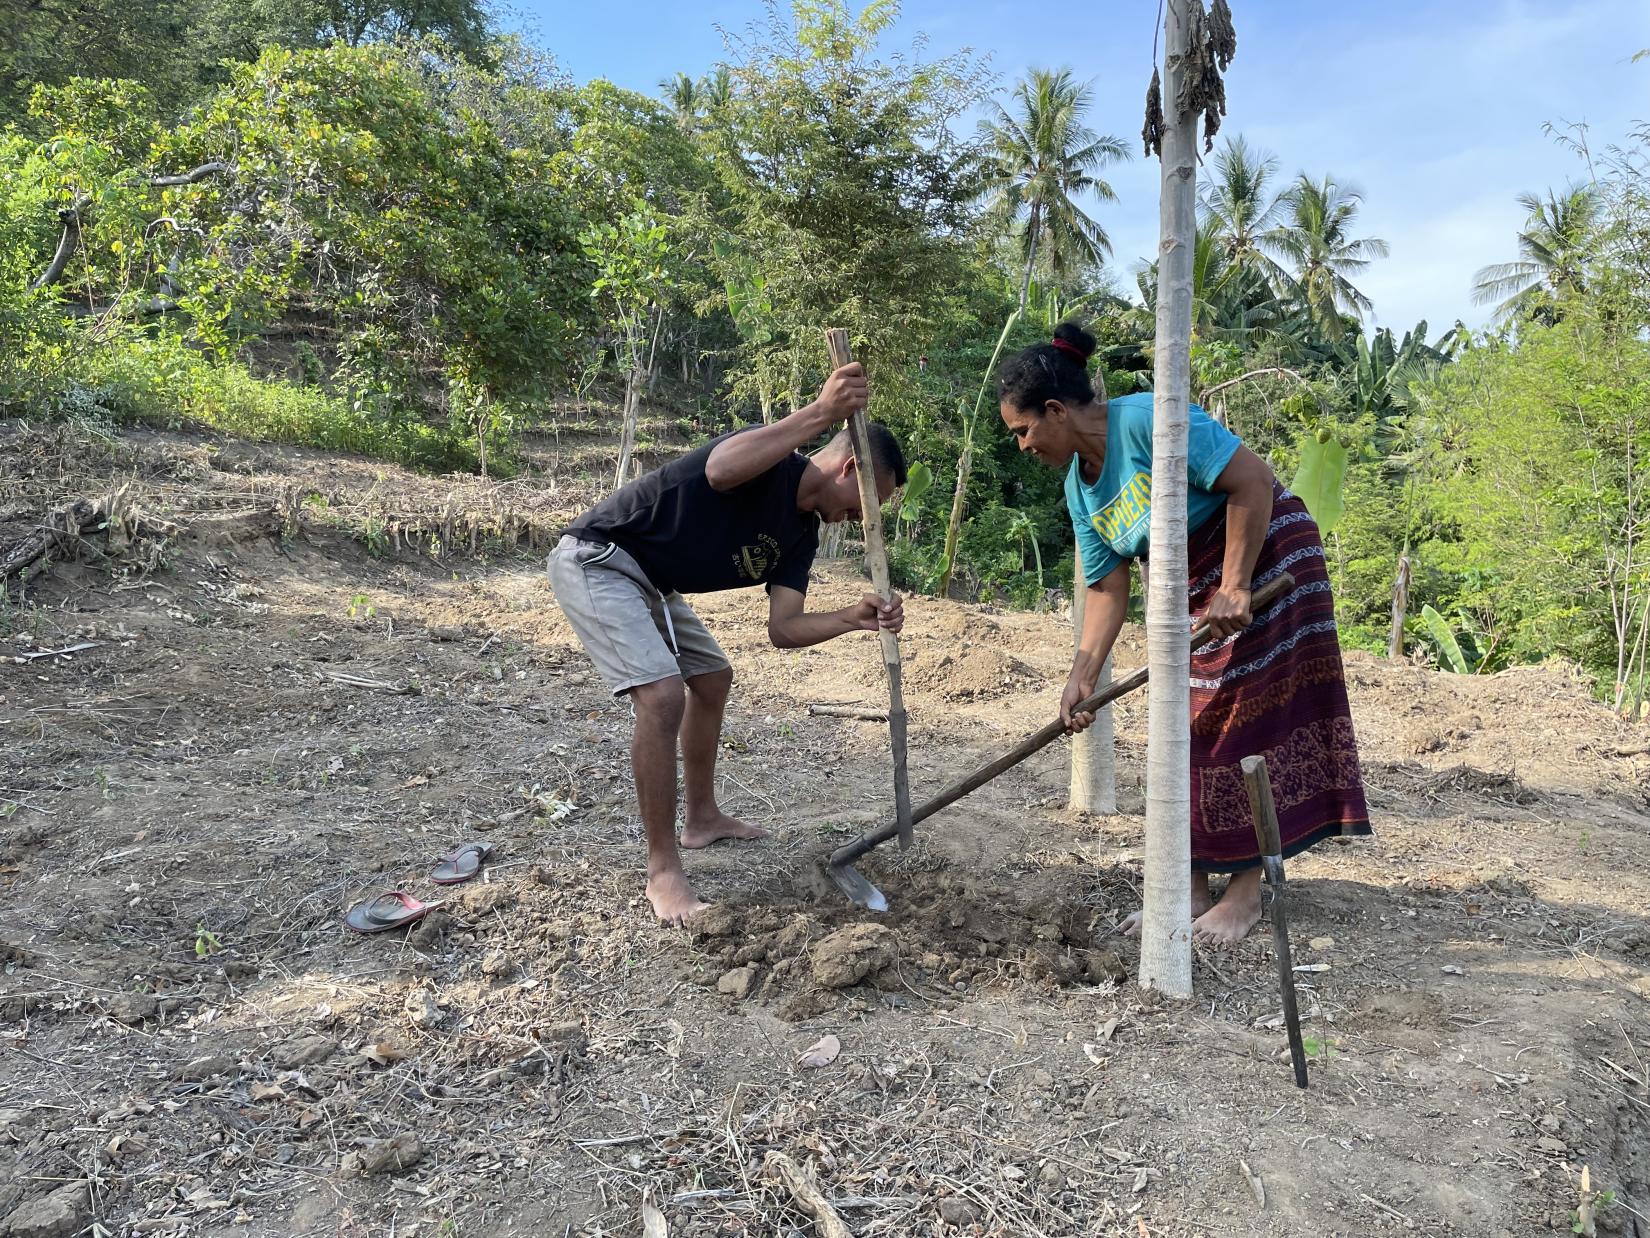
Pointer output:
x,y
821,1053
653,1221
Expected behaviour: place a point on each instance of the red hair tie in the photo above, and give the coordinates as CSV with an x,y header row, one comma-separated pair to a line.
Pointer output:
x,y
1067,346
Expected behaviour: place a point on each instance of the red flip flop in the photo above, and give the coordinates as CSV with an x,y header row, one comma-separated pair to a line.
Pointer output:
x,y
461,864
391,910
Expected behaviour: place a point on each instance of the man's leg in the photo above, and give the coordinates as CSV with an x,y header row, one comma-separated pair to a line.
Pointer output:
x,y
653,762
703,821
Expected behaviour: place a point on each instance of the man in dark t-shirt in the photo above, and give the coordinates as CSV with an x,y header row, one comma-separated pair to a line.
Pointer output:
x,y
742,510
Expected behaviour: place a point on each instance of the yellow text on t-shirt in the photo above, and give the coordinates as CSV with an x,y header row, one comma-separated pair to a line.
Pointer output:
x,y
1114,521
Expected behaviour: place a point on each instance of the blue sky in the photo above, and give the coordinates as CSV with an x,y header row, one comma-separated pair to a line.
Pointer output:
x,y
1435,110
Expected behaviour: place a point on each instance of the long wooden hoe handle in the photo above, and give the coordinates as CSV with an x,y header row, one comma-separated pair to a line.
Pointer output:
x,y
876,553
1037,741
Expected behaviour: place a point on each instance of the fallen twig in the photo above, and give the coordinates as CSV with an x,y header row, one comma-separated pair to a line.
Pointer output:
x,y
857,712
360,681
789,1174
58,653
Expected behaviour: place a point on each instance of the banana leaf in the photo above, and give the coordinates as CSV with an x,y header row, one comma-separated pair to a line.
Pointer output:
x,y
1449,650
1321,481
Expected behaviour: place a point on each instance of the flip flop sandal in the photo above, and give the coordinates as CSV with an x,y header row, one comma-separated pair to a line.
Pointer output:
x,y
392,910
461,864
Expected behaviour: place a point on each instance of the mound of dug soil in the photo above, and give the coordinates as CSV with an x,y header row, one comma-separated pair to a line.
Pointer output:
x,y
943,937
959,672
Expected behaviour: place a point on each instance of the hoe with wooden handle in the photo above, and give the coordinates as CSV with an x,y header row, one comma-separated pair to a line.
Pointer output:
x,y
840,867
876,553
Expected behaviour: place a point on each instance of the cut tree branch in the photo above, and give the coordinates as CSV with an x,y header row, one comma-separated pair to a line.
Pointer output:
x,y
191,177
58,532
66,244
70,217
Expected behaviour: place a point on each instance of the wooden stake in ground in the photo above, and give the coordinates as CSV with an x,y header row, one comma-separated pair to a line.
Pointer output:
x,y
1094,751
876,553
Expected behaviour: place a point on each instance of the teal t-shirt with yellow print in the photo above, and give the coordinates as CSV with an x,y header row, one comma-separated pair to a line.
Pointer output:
x,y
1112,517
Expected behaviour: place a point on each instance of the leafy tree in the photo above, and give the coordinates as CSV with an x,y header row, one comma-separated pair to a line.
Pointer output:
x,y
49,41
839,187
629,258
174,47
1038,160
1553,551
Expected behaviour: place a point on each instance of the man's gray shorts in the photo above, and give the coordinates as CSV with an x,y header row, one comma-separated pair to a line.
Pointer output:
x,y
633,633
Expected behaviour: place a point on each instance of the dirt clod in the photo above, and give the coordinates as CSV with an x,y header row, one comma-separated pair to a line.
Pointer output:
x,y
383,1156
202,1068
421,1008
739,982
956,1211
65,1212
853,952
303,1051
131,1008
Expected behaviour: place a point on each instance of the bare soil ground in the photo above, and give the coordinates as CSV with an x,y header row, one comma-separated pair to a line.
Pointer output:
x,y
313,676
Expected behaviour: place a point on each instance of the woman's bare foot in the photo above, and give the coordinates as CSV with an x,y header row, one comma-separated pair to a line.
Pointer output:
x,y
1229,921
1201,902
696,834
673,899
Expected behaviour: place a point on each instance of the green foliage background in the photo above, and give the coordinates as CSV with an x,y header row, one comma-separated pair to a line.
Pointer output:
x,y
390,229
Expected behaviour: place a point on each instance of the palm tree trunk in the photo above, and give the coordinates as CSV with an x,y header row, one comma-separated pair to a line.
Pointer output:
x,y
1165,931
1033,225
1094,751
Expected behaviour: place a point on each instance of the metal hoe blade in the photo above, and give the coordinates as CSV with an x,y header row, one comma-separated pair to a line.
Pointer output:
x,y
854,884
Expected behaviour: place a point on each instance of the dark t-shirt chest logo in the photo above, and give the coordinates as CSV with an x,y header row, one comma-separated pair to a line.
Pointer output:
x,y
754,562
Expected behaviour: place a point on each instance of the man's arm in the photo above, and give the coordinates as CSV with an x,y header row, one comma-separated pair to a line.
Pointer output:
x,y
790,627
739,458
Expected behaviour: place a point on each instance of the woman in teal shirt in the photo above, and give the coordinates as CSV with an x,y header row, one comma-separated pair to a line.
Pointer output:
x,y
1269,684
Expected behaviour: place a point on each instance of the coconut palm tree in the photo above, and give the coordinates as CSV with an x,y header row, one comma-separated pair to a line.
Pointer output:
x,y
685,97
1554,248
716,89
1229,301
1039,158
1314,237
1240,206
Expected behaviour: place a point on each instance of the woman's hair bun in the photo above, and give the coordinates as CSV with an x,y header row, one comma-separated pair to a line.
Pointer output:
x,y
1076,339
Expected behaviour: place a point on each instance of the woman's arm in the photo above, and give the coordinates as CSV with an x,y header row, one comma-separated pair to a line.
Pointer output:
x,y
1104,611
1246,481
740,457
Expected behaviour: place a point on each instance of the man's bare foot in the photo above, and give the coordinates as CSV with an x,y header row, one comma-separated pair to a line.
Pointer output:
x,y
673,899
696,834
1201,902
1229,921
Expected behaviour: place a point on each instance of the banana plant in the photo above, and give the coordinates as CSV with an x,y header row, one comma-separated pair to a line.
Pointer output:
x,y
1320,482
918,482
1023,530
